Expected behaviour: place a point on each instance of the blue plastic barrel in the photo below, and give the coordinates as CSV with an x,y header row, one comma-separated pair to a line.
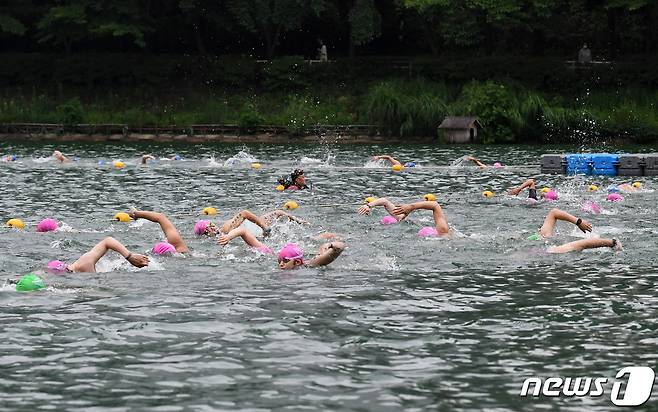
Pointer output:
x,y
579,164
605,164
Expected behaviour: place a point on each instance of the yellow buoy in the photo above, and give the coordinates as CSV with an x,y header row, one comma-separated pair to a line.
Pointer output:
x,y
16,223
397,168
291,205
210,211
256,166
545,189
122,217
637,185
370,199
487,193
593,188
280,188
429,197
119,164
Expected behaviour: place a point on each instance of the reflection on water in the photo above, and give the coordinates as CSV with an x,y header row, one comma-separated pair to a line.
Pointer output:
x,y
397,322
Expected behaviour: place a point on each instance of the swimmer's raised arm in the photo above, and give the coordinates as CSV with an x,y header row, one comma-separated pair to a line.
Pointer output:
x,y
168,228
440,221
147,158
476,161
59,156
530,183
87,262
387,157
554,215
242,232
382,201
269,217
327,254
240,217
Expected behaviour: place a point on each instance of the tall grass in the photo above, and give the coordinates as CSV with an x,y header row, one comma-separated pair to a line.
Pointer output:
x,y
405,108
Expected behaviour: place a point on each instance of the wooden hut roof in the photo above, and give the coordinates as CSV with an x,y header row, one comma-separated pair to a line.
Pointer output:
x,y
459,122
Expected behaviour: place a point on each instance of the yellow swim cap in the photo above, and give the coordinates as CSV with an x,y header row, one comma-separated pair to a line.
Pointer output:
x,y
256,166
291,205
397,168
119,164
210,211
487,193
16,223
637,185
593,188
545,189
122,217
370,199
429,197
280,188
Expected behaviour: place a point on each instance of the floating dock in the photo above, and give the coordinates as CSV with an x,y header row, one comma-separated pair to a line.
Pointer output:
x,y
600,164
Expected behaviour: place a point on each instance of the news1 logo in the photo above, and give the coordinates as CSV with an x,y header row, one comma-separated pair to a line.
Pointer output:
x,y
637,382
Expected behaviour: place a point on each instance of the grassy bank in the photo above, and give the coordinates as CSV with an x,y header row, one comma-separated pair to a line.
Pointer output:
x,y
508,111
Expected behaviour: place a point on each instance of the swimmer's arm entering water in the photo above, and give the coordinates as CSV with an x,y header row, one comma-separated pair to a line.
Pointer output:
x,y
242,232
583,244
548,227
170,231
440,221
327,254
382,201
87,262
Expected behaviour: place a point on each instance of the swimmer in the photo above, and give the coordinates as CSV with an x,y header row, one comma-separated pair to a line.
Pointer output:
x,y
291,256
532,190
476,161
547,229
9,158
627,187
388,159
440,221
60,157
382,201
87,262
147,158
297,181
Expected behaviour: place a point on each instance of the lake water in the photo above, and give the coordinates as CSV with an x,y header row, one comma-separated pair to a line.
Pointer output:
x,y
395,323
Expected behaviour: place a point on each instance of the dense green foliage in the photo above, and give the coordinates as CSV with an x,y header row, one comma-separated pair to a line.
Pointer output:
x,y
508,112
292,27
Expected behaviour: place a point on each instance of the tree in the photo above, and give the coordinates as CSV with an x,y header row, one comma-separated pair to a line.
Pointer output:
x,y
71,21
271,18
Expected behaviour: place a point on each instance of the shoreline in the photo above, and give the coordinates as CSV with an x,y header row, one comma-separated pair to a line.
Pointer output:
x,y
267,138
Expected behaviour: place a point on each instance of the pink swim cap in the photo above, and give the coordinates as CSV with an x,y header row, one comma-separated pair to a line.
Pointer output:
x,y
551,195
291,251
497,165
200,227
293,187
47,225
615,197
163,248
388,220
57,266
591,207
428,231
